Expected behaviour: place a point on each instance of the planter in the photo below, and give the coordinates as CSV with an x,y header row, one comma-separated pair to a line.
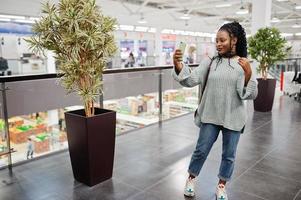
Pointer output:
x,y
265,98
91,143
41,146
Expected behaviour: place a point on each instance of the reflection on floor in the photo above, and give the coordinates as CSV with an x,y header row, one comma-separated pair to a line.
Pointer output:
x,y
150,164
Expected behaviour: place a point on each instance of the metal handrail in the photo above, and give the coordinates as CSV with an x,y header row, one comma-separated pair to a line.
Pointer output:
x,y
16,78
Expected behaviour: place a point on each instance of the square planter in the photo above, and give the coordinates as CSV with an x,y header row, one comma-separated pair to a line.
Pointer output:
x,y
91,143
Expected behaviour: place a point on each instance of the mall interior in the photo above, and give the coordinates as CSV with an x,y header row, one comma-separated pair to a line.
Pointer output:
x,y
154,129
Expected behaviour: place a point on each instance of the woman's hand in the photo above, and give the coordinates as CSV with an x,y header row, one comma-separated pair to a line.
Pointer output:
x,y
177,59
245,64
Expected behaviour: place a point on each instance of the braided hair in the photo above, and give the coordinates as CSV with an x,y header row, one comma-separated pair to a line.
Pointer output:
x,y
236,30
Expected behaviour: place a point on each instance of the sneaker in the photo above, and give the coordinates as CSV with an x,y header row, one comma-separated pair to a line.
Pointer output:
x,y
221,192
189,187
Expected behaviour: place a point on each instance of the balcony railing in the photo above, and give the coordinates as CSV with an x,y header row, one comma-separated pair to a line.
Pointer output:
x,y
32,106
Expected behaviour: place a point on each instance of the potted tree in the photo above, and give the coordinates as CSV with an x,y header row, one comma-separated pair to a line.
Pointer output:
x,y
82,39
267,47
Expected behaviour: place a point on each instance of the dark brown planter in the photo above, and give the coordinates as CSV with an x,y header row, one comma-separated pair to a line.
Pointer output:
x,y
266,92
91,143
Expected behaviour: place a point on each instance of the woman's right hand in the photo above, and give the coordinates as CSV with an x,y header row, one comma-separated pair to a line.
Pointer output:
x,y
177,60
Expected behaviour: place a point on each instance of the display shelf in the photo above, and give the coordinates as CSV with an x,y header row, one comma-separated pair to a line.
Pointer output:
x,y
135,119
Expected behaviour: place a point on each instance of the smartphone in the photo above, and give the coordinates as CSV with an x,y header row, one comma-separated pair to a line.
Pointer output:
x,y
182,47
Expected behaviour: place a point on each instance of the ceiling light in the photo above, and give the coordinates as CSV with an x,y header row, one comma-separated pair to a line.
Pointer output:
x,y
185,17
242,11
26,21
34,18
282,0
167,31
298,7
179,32
296,26
4,20
201,34
12,17
298,34
286,34
142,20
223,5
126,27
141,29
275,20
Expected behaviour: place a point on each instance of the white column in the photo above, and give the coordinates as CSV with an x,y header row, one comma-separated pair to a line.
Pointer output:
x,y
50,62
53,117
158,48
261,14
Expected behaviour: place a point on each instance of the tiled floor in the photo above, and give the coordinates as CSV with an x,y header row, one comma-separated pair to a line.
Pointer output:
x,y
151,163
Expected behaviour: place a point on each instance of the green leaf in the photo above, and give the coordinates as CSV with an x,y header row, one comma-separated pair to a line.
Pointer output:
x,y
267,47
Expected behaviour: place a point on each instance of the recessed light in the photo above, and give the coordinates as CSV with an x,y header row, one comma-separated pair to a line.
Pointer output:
x,y
286,34
296,26
142,21
223,5
275,20
185,16
242,11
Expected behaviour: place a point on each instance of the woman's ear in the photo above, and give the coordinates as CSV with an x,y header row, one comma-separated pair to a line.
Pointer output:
x,y
234,40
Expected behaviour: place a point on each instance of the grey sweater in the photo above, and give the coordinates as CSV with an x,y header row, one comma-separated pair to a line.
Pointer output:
x,y
222,100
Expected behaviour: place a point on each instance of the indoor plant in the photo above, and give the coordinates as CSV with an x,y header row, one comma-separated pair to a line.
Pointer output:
x,y
267,46
82,39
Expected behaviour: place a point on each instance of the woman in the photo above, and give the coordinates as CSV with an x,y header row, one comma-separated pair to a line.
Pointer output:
x,y
228,80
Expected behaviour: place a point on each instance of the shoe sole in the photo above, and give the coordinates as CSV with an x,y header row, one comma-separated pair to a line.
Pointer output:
x,y
189,195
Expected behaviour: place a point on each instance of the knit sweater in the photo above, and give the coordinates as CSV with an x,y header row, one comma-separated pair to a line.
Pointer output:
x,y
223,97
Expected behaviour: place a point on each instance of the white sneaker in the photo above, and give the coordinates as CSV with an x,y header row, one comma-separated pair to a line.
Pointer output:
x,y
221,192
189,187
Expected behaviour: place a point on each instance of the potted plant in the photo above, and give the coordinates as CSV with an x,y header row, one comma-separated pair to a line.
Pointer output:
x,y
267,47
82,39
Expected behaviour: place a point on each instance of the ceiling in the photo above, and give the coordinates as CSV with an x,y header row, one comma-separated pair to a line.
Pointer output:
x,y
165,14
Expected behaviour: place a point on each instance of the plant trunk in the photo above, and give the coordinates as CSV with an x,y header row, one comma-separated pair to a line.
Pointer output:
x,y
88,102
89,108
264,72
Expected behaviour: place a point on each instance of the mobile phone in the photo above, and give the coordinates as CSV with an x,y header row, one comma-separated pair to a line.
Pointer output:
x,y
182,47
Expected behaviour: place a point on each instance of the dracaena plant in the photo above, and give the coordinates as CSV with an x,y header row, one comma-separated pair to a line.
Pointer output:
x,y
82,39
267,46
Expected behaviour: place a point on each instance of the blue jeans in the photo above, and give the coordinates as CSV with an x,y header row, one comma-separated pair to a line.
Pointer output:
x,y
207,137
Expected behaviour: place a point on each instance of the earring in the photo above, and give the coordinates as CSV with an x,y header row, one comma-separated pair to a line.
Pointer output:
x,y
233,50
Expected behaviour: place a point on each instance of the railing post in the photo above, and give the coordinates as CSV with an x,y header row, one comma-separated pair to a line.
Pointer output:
x,y
160,97
6,125
101,92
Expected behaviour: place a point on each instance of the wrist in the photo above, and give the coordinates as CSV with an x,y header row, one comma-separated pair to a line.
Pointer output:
x,y
248,72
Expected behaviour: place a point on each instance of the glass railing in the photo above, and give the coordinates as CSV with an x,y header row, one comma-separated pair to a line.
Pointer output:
x,y
32,108
25,66
287,65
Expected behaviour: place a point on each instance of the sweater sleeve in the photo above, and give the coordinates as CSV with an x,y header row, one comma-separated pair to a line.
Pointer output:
x,y
190,78
249,91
